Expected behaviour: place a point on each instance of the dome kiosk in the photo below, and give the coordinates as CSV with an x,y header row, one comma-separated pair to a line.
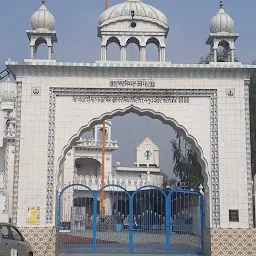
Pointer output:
x,y
222,34
42,24
133,22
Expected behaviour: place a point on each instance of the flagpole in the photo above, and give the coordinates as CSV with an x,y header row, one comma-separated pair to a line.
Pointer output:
x,y
103,166
106,4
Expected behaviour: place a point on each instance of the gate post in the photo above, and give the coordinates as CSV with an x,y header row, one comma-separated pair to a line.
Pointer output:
x,y
130,224
202,212
167,222
57,214
94,236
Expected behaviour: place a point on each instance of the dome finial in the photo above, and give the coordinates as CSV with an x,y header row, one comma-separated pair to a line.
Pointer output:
x,y
221,22
42,19
221,4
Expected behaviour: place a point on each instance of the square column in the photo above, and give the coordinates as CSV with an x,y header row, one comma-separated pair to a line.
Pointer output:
x,y
142,53
162,54
103,52
123,53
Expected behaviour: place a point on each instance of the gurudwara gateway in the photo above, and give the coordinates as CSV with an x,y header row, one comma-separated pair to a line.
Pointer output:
x,y
62,208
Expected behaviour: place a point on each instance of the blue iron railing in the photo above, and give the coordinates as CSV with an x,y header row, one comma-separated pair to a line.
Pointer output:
x,y
146,221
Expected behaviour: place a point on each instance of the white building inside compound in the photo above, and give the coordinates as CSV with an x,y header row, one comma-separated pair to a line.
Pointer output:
x,y
52,117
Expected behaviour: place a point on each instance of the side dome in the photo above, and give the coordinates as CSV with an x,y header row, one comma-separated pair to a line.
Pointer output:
x,y
141,11
42,19
8,90
221,22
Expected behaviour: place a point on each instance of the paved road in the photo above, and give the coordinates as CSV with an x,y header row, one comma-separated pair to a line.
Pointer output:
x,y
118,242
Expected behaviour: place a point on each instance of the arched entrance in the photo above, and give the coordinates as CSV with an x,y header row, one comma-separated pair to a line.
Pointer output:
x,y
141,112
186,219
138,101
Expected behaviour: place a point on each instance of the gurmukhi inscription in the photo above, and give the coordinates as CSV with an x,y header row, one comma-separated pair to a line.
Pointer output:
x,y
116,99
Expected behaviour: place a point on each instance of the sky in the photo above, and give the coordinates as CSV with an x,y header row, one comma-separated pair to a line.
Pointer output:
x,y
134,130
76,27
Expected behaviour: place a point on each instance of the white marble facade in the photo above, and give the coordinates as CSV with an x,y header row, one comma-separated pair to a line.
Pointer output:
x,y
200,108
57,102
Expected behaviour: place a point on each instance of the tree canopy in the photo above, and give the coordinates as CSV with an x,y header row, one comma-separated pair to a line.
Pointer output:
x,y
186,166
167,181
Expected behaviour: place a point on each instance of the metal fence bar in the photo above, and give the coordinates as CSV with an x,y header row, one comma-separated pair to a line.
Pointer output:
x,y
112,232
188,223
148,221
168,226
131,249
94,241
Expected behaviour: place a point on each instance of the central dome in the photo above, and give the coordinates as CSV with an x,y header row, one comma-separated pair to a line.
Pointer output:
x,y
141,11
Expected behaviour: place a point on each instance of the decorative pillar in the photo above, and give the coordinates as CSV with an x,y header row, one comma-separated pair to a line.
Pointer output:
x,y
148,178
9,169
49,52
123,53
215,57
32,52
232,51
103,52
143,53
162,54
17,155
67,170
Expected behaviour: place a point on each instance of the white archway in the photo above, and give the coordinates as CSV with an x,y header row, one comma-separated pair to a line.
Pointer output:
x,y
141,112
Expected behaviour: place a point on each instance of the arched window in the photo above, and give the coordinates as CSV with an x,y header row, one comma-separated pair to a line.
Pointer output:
x,y
41,48
223,52
113,49
152,49
87,166
133,49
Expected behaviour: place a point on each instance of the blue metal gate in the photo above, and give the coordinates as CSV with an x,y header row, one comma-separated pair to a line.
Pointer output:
x,y
149,220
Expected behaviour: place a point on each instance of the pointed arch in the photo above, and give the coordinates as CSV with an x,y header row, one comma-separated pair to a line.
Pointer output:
x,y
133,49
224,44
153,49
133,40
40,41
141,112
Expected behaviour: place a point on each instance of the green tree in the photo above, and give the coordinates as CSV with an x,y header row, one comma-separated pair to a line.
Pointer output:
x,y
186,165
167,181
